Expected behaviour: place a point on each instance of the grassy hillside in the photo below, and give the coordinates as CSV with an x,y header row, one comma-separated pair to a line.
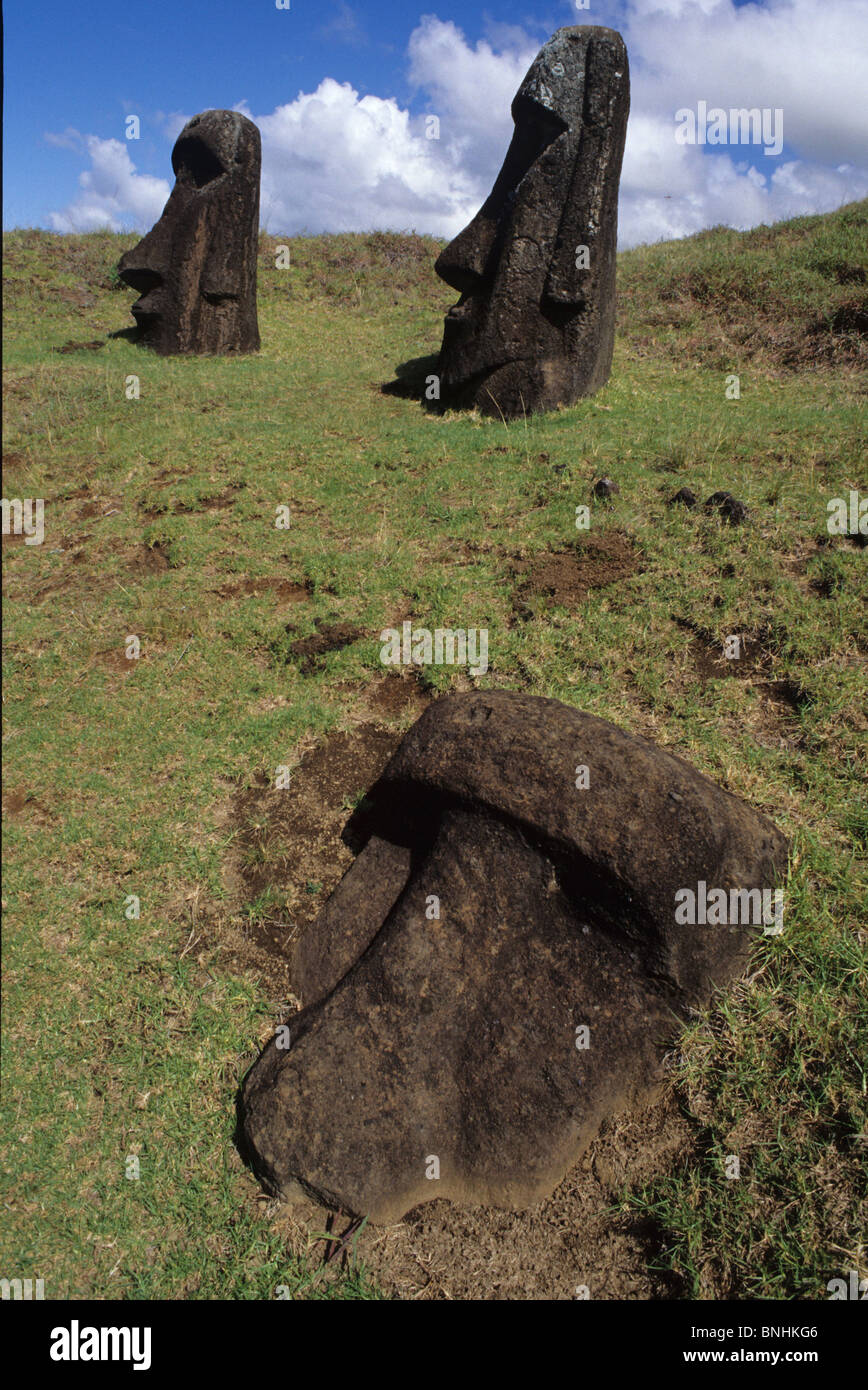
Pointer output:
x,y
125,1037
790,296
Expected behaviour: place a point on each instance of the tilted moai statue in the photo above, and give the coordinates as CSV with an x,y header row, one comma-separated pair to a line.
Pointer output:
x,y
535,324
505,963
196,269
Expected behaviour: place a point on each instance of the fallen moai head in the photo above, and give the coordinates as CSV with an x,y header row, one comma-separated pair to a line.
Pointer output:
x,y
535,324
518,885
196,269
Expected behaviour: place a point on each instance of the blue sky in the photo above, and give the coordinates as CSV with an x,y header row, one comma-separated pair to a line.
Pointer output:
x,y
86,65
340,91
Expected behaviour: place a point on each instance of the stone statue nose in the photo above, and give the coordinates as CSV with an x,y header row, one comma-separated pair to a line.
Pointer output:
x,y
463,262
145,267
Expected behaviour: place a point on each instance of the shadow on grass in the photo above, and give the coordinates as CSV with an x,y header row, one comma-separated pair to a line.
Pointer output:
x,y
129,335
411,382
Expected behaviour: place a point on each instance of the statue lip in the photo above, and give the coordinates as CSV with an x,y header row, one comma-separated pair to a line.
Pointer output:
x,y
145,304
146,309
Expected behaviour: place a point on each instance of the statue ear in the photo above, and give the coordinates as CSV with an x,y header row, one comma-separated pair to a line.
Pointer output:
x,y
225,274
592,196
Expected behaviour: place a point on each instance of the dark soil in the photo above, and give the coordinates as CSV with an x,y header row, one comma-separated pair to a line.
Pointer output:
x,y
566,577
290,841
331,638
282,589
575,1239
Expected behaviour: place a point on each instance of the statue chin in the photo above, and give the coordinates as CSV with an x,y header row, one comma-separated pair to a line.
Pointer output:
x,y
148,325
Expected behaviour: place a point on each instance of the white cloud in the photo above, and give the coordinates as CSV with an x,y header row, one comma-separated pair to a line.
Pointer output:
x,y
69,139
344,27
114,194
800,55
671,190
471,89
335,161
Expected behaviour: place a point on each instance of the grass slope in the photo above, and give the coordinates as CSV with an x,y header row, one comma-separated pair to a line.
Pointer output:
x,y
126,1037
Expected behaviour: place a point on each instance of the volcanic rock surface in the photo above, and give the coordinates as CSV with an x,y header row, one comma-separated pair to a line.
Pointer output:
x,y
196,268
501,967
535,324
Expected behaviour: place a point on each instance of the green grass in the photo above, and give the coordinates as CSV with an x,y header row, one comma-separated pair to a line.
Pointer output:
x,y
129,1037
792,295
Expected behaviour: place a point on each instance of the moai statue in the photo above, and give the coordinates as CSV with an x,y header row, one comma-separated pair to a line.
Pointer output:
x,y
504,964
196,269
535,324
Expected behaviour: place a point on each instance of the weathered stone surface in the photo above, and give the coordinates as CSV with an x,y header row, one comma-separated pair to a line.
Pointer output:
x,y
196,269
684,497
454,1036
534,327
605,488
729,507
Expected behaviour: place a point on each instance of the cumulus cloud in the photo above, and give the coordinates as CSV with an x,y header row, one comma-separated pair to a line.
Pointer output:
x,y
804,57
777,56
471,89
113,194
671,190
335,161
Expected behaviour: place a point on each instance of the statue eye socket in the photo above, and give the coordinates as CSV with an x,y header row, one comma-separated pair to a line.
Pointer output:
x,y
544,123
197,161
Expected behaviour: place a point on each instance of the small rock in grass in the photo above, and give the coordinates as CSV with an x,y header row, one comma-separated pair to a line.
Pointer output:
x,y
730,508
605,487
734,512
683,498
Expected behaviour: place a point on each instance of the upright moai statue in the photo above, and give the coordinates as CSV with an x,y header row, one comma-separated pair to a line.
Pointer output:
x,y
535,324
196,269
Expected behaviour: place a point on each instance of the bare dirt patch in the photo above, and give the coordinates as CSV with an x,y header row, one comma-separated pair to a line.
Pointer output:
x,y
782,700
288,852
283,589
784,693
566,577
443,1251
217,502
21,804
115,660
150,559
72,346
710,662
755,663
99,507
393,696
328,638
13,538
